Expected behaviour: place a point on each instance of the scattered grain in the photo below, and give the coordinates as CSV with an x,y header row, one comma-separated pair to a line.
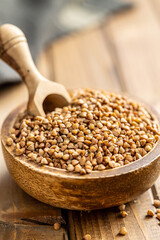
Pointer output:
x,y
87,237
124,214
123,231
57,226
150,213
156,203
158,216
122,207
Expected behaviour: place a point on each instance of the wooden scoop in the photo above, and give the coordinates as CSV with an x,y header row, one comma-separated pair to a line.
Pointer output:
x,y
44,95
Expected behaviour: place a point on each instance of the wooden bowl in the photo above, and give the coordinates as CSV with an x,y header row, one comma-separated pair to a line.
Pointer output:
x,y
88,192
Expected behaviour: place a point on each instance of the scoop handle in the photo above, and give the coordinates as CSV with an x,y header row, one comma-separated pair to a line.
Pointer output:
x,y
15,52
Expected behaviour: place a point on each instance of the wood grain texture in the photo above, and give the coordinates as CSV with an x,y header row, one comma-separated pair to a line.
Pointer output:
x,y
135,37
81,60
25,232
106,223
148,225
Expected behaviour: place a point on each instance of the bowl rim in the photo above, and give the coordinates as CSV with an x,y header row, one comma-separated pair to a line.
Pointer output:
x,y
108,173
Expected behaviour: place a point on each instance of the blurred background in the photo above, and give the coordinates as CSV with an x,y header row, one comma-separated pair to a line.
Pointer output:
x,y
45,21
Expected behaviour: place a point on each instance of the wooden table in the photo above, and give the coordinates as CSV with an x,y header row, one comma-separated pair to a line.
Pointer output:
x,y
123,54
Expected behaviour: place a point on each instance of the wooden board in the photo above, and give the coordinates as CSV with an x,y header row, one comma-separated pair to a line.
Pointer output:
x,y
81,60
135,38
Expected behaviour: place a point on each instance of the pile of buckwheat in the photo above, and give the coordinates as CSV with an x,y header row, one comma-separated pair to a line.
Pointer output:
x,y
97,131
